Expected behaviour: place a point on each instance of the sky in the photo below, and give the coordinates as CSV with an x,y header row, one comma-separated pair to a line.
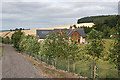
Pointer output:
x,y
33,14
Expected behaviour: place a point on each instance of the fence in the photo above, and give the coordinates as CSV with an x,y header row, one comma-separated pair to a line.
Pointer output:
x,y
82,68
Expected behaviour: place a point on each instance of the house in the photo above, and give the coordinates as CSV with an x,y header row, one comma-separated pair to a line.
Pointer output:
x,y
74,34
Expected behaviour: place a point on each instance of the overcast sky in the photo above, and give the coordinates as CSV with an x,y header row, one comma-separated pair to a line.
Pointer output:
x,y
48,13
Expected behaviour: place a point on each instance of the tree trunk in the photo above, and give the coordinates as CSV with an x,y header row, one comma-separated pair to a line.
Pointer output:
x,y
48,60
73,66
91,68
52,62
94,70
68,64
41,58
118,69
55,62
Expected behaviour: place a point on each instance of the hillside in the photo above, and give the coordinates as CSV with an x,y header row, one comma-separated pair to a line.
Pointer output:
x,y
33,31
109,20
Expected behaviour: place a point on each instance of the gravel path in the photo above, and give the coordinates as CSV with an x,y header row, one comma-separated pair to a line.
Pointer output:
x,y
16,66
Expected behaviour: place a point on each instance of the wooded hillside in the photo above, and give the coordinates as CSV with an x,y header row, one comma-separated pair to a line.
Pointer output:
x,y
105,23
109,20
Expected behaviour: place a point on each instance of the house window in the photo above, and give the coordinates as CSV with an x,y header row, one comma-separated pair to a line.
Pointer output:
x,y
78,36
75,35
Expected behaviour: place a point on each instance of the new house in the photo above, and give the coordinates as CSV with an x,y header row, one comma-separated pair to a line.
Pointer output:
x,y
74,34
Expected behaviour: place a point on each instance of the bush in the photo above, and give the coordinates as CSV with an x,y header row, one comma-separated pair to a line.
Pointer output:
x,y
16,37
5,40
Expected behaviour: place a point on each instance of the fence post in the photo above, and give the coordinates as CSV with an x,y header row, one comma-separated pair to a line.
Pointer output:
x,y
91,68
73,66
55,62
68,64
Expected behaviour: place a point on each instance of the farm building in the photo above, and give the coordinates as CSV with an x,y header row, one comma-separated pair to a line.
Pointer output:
x,y
74,34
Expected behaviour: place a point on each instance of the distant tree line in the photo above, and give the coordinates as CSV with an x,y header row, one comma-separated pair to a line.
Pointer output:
x,y
18,29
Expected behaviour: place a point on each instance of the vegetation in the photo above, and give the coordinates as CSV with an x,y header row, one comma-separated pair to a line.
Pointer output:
x,y
5,40
105,24
29,44
94,49
115,50
58,46
16,39
110,20
18,29
57,50
1,51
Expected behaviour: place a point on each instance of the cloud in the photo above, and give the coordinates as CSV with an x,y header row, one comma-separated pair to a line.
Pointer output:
x,y
47,14
60,0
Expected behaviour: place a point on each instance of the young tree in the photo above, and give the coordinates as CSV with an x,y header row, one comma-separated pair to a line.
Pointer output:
x,y
94,49
74,50
115,50
30,44
60,46
49,46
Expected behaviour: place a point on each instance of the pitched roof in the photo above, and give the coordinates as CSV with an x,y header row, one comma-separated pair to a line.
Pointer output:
x,y
44,33
80,31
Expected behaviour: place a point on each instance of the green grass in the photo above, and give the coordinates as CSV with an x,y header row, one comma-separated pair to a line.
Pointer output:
x,y
104,68
1,51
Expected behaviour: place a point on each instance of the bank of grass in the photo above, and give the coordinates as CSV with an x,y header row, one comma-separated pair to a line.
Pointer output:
x,y
1,51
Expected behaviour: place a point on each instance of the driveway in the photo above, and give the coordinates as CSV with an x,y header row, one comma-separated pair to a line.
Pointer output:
x,y
16,66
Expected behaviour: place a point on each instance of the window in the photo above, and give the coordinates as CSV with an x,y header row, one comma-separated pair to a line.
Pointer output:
x,y
78,36
75,35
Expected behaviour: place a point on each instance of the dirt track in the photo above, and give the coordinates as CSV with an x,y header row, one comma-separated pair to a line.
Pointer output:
x,y
16,66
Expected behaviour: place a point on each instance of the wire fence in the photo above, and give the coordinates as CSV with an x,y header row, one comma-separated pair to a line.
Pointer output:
x,y
82,68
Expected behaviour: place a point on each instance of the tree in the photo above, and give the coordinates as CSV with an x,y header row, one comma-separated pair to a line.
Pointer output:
x,y
73,50
6,40
16,37
16,29
71,27
30,44
94,49
86,29
115,50
106,31
74,26
60,46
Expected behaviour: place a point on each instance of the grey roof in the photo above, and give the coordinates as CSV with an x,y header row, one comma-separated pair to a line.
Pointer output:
x,y
43,33
64,30
80,31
